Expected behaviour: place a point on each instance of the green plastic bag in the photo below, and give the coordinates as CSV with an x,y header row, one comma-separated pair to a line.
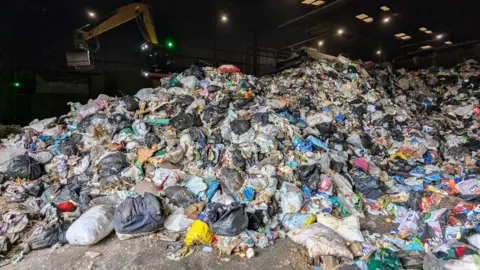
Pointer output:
x,y
384,259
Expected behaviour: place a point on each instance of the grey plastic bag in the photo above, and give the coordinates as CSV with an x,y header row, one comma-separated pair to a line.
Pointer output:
x,y
112,164
139,215
179,196
24,167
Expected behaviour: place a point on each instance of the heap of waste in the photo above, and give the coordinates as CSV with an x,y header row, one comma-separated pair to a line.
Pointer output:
x,y
216,157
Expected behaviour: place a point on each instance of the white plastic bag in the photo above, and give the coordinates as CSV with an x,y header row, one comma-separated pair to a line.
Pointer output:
x,y
92,226
292,199
39,125
178,223
348,228
320,241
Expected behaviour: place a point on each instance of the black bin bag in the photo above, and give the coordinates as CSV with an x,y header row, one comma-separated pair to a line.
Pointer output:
x,y
139,215
24,167
232,222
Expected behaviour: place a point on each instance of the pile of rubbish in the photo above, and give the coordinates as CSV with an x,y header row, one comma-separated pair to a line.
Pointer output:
x,y
220,159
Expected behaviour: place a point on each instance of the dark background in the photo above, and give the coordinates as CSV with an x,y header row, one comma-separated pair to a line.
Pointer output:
x,y
35,35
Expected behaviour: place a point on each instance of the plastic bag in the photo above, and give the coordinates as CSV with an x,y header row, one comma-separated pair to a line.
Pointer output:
x,y
68,148
194,71
140,129
231,223
7,154
310,176
230,179
177,222
348,228
199,233
240,126
409,222
112,164
92,226
179,196
24,167
131,103
370,186
51,236
320,241
182,121
292,198
293,221
139,215
228,69
384,259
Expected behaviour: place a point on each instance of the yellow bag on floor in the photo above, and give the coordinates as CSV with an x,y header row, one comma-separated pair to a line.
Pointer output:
x,y
199,233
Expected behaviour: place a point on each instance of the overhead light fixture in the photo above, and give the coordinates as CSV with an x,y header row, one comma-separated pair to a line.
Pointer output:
x,y
318,3
92,14
386,20
379,52
423,29
144,74
308,2
428,32
384,8
426,47
448,42
368,20
224,18
320,43
439,36
399,35
361,16
406,37
340,32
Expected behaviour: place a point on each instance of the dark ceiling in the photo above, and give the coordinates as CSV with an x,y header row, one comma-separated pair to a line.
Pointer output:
x,y
34,28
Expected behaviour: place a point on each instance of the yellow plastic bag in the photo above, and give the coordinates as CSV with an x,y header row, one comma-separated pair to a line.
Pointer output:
x,y
199,233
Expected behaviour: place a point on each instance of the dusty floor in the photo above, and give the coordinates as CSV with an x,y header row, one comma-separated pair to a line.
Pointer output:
x,y
143,253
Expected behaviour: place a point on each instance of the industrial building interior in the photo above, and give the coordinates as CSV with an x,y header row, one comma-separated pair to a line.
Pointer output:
x,y
259,36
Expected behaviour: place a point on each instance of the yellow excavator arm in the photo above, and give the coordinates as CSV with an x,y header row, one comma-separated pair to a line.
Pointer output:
x,y
138,11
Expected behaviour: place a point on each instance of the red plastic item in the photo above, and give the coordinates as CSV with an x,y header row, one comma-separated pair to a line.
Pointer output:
x,y
228,69
459,251
67,206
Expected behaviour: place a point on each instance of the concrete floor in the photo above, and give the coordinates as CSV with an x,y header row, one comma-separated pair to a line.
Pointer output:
x,y
144,253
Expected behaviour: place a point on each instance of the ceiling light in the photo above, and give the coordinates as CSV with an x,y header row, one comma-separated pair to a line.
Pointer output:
x,y
224,18
92,14
379,52
320,43
406,37
428,32
423,29
399,35
448,42
427,47
385,8
361,16
368,20
318,3
439,36
308,2
386,20
340,32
